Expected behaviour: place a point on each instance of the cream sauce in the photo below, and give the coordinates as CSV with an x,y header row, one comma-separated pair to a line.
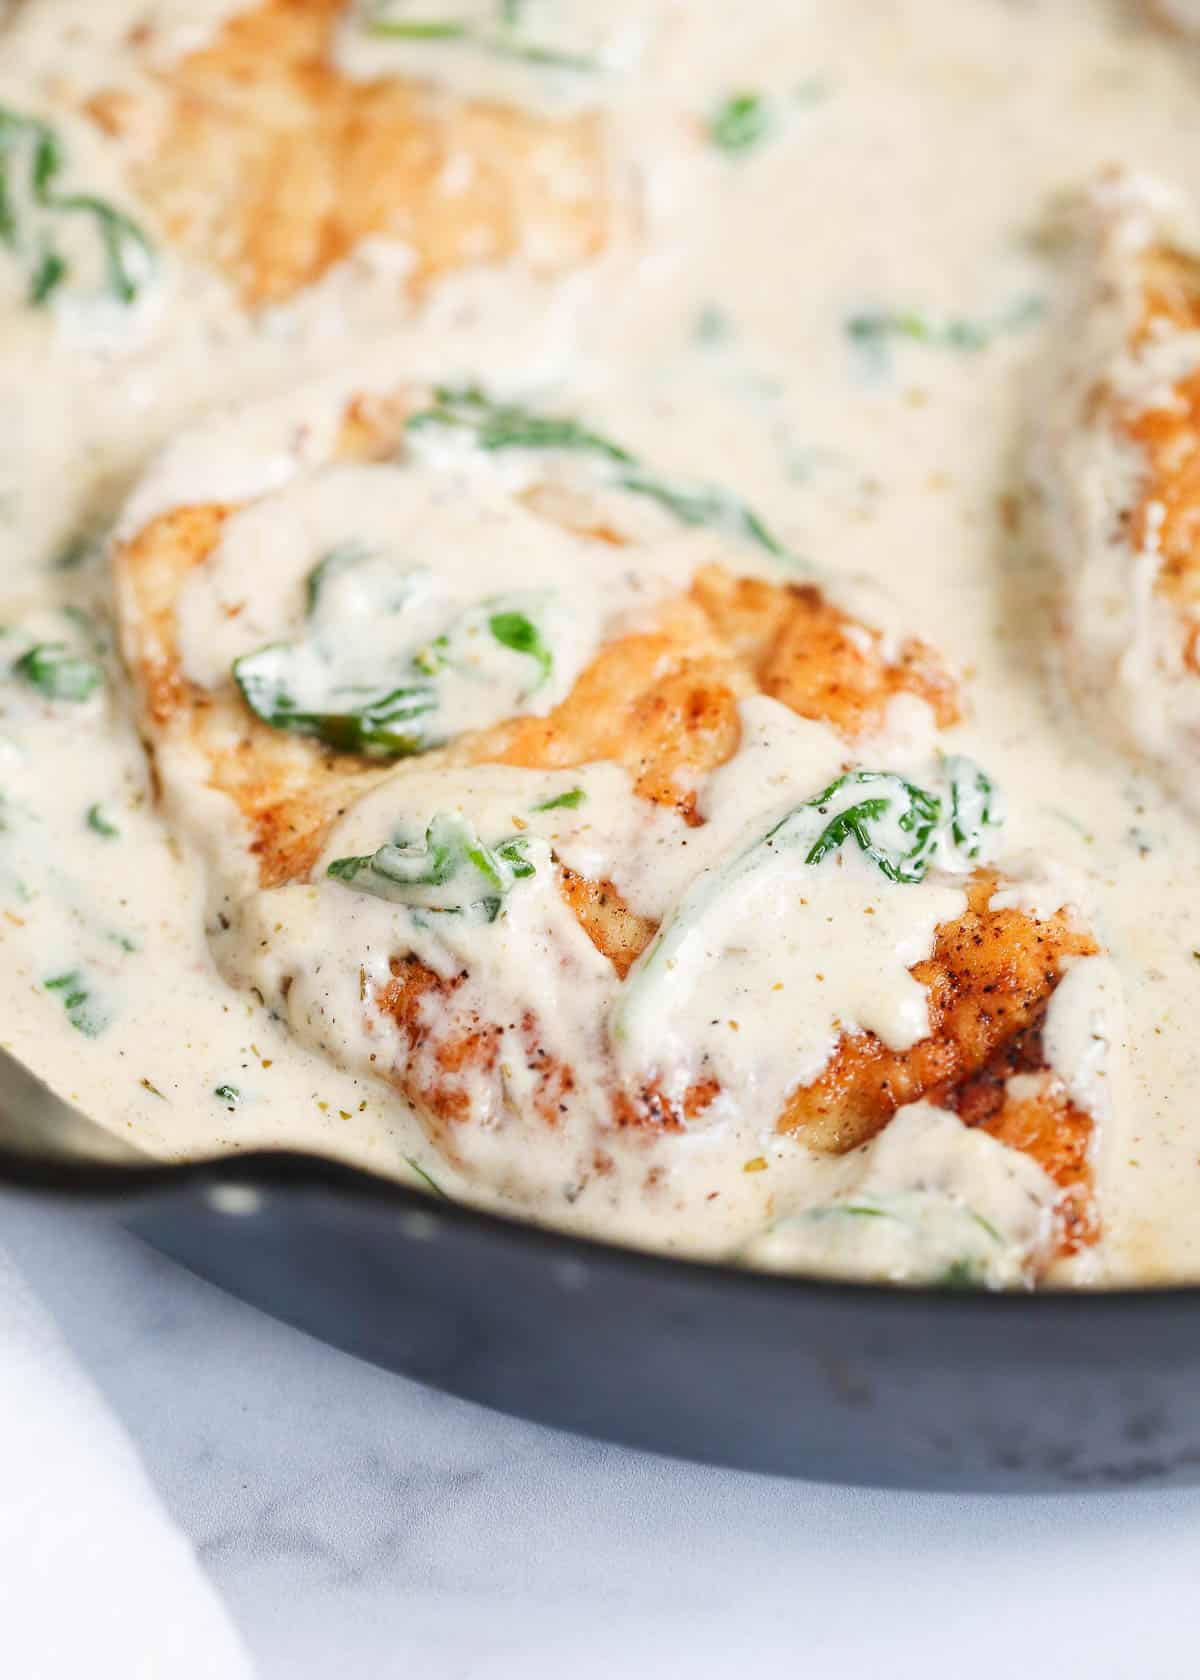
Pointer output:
x,y
760,336
779,956
929,1198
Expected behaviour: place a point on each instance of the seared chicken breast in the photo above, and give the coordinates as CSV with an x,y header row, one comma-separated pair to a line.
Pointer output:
x,y
259,155
1117,469
533,783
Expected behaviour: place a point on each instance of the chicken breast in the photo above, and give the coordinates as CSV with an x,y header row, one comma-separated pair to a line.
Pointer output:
x,y
706,869
1117,467
258,154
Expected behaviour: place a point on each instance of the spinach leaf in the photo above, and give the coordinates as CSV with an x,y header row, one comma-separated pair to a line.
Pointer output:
x,y
453,871
569,801
308,688
82,1009
427,1178
101,823
500,41
58,672
849,1210
340,560
959,1275
957,334
739,123
712,325
78,550
35,212
693,505
498,425
874,328
901,828
918,819
382,725
515,631
745,119
975,805
364,679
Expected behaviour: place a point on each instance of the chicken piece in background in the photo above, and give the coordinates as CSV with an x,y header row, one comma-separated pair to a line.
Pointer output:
x,y
1116,467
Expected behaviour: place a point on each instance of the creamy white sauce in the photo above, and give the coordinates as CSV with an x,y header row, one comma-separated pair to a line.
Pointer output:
x,y
909,153
929,1201
1083,1016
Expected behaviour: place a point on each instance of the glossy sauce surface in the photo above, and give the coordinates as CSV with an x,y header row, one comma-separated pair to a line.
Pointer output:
x,y
833,299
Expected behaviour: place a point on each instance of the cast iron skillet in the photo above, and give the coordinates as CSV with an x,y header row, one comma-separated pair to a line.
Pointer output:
x,y
843,1382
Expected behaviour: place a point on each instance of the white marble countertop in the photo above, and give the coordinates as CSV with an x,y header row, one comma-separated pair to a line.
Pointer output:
x,y
357,1524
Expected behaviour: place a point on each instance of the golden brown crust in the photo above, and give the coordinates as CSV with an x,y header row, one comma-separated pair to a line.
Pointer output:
x,y
258,156
816,659
288,793
1041,1121
437,1069
1168,435
663,705
650,1109
259,769
613,928
990,976
990,979
155,566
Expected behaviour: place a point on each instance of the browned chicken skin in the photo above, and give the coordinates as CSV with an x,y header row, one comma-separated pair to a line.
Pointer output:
x,y
1169,435
990,979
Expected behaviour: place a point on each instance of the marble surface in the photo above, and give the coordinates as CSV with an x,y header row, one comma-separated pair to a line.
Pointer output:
x,y
357,1524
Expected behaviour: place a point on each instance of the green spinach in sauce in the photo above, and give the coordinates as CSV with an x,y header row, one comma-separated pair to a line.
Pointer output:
x,y
899,827
501,39
453,871
381,700
35,214
58,672
83,1011
494,425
